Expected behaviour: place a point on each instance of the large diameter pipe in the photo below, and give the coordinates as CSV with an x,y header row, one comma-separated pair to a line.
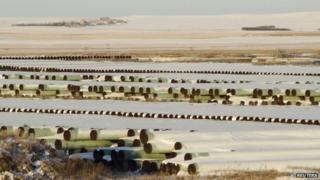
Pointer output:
x,y
125,78
163,80
150,166
172,168
116,78
203,92
158,146
243,92
13,86
107,89
128,154
6,131
191,81
134,89
54,87
110,134
218,92
173,90
315,92
126,142
134,78
28,87
88,144
185,91
13,76
72,77
267,92
114,89
124,89
191,156
21,132
160,90
298,92
57,77
85,88
274,91
152,80
42,132
101,153
151,90
77,134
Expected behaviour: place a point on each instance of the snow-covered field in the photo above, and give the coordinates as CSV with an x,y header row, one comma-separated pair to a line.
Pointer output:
x,y
302,21
256,144
220,32
175,108
231,145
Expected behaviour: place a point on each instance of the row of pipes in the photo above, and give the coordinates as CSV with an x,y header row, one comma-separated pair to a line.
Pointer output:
x,y
160,151
75,57
222,96
160,115
76,70
123,78
113,78
252,92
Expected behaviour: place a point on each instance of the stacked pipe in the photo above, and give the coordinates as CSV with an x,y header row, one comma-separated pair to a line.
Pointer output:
x,y
162,115
226,96
126,154
202,155
166,142
30,132
54,69
124,78
165,151
70,57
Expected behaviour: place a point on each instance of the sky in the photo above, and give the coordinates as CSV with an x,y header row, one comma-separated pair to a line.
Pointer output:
x,y
116,8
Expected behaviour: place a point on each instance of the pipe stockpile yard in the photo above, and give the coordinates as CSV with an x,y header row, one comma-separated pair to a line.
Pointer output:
x,y
169,152
69,57
167,119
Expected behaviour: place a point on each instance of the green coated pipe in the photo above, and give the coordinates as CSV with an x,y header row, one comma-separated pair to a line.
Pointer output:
x,y
77,134
28,86
72,78
53,87
243,92
88,144
43,132
128,154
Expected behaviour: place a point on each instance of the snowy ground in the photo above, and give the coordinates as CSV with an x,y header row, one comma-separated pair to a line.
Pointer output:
x,y
268,145
221,32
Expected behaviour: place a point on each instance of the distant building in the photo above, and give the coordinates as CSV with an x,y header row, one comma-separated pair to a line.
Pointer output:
x,y
265,28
